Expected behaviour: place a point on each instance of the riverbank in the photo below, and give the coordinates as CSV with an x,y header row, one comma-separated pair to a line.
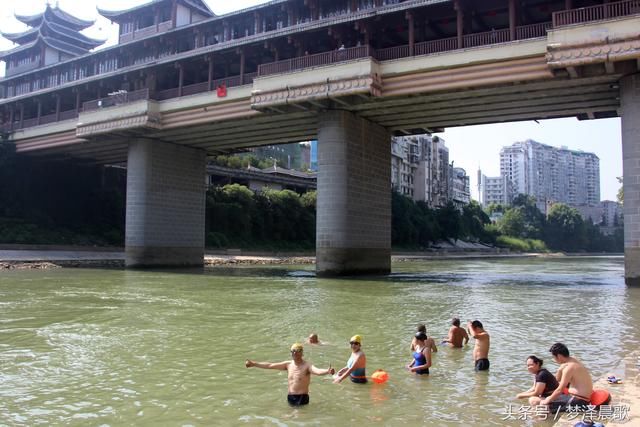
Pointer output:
x,y
74,257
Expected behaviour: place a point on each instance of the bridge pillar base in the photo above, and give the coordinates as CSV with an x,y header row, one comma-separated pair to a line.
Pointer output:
x,y
165,212
630,125
353,226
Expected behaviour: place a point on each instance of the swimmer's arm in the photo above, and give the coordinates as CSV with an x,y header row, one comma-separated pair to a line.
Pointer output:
x,y
466,337
558,391
469,330
267,365
346,371
535,390
328,371
449,338
433,346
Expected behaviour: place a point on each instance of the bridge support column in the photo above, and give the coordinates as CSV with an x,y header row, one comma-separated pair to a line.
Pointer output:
x,y
353,226
630,124
165,205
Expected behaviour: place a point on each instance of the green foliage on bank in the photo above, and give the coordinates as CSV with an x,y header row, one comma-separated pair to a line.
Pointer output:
x,y
521,245
270,219
62,203
563,229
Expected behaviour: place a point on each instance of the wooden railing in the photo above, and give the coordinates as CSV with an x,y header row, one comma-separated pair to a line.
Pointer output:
x,y
532,31
486,38
116,99
596,13
309,61
435,46
22,68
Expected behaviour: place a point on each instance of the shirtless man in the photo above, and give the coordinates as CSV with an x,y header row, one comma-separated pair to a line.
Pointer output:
x,y
456,334
481,349
299,374
572,374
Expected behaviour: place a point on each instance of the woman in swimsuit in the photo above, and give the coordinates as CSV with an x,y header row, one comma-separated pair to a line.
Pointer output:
x,y
356,364
421,355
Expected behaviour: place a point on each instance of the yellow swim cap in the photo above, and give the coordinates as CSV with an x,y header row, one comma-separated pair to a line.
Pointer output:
x,y
356,338
296,347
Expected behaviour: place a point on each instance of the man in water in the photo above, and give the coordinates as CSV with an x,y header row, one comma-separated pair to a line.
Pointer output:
x,y
481,349
313,339
298,373
456,334
571,374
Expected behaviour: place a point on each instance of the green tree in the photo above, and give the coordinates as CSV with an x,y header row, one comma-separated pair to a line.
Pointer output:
x,y
512,223
620,195
565,229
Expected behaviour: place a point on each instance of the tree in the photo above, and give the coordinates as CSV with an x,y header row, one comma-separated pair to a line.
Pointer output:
x,y
620,195
512,223
565,229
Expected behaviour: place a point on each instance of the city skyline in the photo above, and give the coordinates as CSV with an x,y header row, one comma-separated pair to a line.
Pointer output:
x,y
462,142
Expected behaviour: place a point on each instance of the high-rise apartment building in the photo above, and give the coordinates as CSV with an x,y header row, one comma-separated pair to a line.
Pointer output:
x,y
551,174
420,169
494,190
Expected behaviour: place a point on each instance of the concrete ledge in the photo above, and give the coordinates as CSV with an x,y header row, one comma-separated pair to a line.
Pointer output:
x,y
144,256
331,262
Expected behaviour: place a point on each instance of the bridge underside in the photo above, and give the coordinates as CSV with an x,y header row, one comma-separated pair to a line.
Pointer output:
x,y
587,98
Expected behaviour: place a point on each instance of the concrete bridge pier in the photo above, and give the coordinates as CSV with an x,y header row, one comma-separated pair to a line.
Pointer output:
x,y
353,225
630,124
165,213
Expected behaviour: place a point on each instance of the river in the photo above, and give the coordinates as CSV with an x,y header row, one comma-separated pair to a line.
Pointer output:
x,y
115,347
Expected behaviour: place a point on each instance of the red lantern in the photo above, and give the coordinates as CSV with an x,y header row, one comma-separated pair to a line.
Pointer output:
x,y
221,91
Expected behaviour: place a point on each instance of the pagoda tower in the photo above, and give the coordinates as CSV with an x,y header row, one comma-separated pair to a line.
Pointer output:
x,y
54,37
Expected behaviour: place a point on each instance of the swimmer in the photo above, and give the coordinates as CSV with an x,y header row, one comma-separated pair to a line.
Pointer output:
x,y
313,339
421,356
430,342
573,375
299,374
456,334
356,364
481,349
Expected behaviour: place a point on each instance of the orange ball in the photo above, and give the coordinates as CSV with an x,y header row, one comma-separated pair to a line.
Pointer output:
x,y
379,376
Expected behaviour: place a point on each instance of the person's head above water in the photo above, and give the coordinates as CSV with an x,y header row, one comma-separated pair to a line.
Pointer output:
x,y
355,340
297,349
476,324
421,328
313,339
534,364
455,321
559,349
421,336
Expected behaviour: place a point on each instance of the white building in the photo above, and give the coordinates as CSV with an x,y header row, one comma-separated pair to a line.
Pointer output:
x,y
460,187
494,190
552,174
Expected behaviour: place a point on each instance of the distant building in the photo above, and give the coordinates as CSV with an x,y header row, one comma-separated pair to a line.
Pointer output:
x,y
460,187
607,214
552,174
494,190
420,169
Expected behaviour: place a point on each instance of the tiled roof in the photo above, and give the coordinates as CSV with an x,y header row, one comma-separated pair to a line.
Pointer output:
x,y
114,15
55,14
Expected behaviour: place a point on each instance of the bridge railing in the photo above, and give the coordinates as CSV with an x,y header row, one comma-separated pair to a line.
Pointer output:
x,y
532,31
316,60
116,99
487,38
596,13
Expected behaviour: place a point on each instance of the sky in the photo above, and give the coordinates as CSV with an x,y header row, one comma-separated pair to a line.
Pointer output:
x,y
470,147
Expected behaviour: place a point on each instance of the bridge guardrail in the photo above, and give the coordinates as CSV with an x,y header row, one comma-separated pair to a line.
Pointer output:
x,y
596,13
116,99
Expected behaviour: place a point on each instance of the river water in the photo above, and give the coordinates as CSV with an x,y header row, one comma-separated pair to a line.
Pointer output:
x,y
113,347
